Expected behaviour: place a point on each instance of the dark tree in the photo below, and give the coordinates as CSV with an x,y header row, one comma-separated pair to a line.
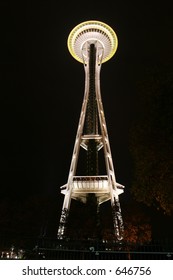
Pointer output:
x,y
151,140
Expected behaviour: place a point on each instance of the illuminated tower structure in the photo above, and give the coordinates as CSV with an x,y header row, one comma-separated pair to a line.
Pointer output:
x,y
92,43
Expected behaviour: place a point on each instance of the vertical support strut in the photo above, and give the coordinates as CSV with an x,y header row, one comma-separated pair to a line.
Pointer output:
x,y
67,200
116,209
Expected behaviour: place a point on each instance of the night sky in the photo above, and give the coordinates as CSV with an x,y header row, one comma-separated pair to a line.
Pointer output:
x,y
42,88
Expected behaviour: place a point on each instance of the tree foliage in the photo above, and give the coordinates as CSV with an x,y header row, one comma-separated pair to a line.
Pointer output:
x,y
151,139
137,226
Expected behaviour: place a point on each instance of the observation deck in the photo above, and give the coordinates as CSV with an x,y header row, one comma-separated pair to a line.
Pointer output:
x,y
92,32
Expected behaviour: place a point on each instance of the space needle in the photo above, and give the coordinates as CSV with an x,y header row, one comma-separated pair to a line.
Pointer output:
x,y
92,43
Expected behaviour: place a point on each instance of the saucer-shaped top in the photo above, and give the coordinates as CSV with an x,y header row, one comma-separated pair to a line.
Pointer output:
x,y
92,31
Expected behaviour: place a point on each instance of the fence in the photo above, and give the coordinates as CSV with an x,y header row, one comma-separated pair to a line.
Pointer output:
x,y
54,249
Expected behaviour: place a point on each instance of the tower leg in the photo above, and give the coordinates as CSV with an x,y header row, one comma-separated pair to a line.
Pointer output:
x,y
64,217
117,219
99,232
